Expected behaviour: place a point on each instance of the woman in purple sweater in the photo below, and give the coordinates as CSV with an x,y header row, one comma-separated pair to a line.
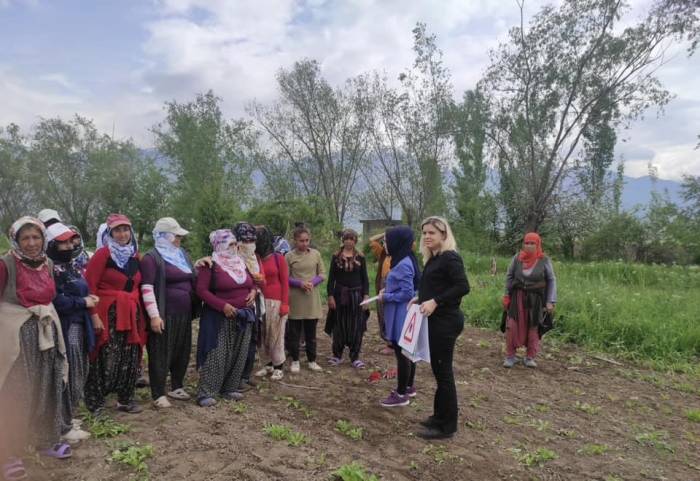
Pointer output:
x,y
167,287
228,292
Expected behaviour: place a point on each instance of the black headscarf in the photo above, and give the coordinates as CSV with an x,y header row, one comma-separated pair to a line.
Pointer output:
x,y
399,243
263,244
244,232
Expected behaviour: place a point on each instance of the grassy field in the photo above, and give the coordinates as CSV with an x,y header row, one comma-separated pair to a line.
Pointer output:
x,y
643,312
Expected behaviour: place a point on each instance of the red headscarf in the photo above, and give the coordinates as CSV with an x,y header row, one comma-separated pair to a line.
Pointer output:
x,y
530,258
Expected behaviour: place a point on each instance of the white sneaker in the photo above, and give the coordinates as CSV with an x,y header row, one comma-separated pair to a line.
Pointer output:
x,y
294,367
315,367
277,375
162,402
76,423
264,371
75,435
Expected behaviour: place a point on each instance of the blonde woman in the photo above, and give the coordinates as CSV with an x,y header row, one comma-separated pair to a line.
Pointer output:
x,y
442,286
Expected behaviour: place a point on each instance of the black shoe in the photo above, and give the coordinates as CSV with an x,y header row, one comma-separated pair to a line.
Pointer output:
x,y
432,433
142,382
429,423
244,387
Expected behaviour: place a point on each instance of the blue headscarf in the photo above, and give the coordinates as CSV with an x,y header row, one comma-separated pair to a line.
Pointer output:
x,y
169,252
399,243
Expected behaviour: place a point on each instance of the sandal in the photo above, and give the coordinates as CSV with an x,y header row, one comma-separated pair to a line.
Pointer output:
x,y
357,364
59,451
334,361
206,402
179,394
13,470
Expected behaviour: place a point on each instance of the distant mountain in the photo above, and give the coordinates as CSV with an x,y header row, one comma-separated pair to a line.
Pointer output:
x,y
637,191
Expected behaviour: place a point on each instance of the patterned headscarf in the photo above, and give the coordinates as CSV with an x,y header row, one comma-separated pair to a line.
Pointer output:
x,y
229,261
35,261
81,259
120,254
64,261
101,233
530,258
245,232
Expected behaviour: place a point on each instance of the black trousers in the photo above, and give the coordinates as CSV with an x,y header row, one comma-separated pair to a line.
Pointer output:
x,y
406,370
252,348
443,330
169,352
309,327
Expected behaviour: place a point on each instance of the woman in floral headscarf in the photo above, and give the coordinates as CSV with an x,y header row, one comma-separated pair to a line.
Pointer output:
x,y
113,275
33,364
228,292
531,289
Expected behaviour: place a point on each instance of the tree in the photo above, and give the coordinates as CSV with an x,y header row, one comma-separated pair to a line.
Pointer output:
x,y
476,208
409,133
16,189
81,169
210,161
555,81
319,137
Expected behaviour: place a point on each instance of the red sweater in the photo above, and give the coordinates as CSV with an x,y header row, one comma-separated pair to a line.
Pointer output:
x,y
34,287
108,284
277,281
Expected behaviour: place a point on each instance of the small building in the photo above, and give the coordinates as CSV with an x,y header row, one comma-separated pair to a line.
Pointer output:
x,y
371,227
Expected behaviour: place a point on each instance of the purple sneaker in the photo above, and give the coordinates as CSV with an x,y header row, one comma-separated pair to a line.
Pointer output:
x,y
411,391
395,400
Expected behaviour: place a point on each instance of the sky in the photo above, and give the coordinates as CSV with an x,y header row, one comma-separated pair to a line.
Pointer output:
x,y
117,62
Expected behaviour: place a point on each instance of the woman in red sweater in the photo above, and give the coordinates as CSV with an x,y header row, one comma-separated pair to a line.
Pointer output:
x,y
276,293
113,275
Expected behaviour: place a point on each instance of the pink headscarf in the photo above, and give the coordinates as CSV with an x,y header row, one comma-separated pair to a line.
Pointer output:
x,y
228,259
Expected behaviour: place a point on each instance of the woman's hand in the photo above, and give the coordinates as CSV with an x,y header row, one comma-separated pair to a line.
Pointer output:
x,y
366,306
427,307
250,298
91,301
550,307
203,262
97,323
229,311
258,277
380,295
506,302
157,325
308,286
331,303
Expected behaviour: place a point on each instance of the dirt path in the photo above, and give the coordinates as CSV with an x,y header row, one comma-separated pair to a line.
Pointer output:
x,y
598,420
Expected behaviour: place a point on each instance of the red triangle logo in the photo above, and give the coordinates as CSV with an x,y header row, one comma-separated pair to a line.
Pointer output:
x,y
408,336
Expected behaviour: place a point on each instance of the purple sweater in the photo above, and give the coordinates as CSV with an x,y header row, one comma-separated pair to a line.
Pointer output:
x,y
179,286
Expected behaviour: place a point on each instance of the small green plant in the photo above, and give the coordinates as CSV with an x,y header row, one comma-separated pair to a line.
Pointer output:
x,y
612,477
594,449
587,408
134,455
542,408
477,425
279,432
534,458
539,424
483,344
345,427
296,404
693,415
353,472
239,407
438,453
514,420
656,439
105,427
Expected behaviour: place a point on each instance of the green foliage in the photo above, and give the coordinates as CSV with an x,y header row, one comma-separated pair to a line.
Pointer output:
x,y
594,449
134,455
353,472
4,244
534,458
105,427
295,404
693,415
279,432
346,427
636,310
656,439
438,453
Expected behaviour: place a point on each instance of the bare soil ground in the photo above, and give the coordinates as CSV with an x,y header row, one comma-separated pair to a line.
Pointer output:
x,y
598,420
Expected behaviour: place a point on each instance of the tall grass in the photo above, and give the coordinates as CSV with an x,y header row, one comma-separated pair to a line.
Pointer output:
x,y
644,311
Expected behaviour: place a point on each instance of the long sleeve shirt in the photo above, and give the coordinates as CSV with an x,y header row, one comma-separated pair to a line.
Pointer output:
x,y
444,280
226,290
338,277
277,279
